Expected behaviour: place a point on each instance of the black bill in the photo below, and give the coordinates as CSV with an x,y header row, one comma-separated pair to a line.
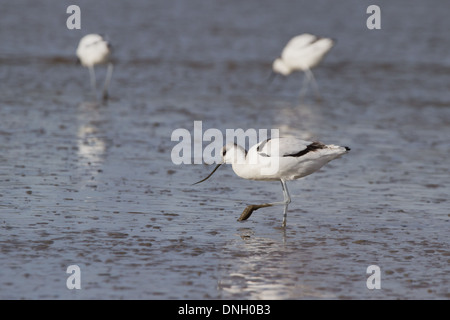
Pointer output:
x,y
217,167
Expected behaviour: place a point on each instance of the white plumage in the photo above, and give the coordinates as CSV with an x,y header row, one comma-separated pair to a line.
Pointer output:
x,y
302,53
93,50
281,159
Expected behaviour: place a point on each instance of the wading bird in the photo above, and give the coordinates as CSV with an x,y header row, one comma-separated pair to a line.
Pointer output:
x,y
93,50
278,159
302,53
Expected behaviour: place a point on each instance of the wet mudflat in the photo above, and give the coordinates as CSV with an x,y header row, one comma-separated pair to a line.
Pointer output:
x,y
94,184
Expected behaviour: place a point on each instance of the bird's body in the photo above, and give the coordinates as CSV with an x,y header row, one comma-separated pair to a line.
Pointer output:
x,y
290,159
278,159
302,53
94,50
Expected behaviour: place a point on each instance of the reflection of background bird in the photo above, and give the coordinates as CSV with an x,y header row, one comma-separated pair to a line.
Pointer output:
x,y
291,158
302,53
92,50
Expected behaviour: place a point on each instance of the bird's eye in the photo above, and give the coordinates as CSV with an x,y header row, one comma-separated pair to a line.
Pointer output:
x,y
224,152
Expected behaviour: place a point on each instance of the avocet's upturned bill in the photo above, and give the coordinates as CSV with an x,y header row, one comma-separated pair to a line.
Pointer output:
x,y
293,159
303,53
93,50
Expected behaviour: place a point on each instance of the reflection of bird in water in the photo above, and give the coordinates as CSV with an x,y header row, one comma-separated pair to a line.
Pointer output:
x,y
261,268
91,143
279,159
302,53
91,147
92,50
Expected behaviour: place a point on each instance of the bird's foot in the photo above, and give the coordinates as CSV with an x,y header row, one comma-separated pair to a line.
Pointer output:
x,y
249,210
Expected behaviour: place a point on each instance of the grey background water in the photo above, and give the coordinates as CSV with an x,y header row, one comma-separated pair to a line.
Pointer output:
x,y
95,185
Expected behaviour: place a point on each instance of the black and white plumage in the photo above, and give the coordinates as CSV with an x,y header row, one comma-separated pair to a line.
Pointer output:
x,y
278,159
302,53
93,50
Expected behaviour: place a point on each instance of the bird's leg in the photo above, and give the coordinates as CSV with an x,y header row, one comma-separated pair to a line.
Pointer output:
x,y
287,200
253,207
312,79
306,80
107,80
93,82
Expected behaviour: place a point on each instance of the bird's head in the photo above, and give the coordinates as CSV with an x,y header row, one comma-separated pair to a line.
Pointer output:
x,y
231,153
279,66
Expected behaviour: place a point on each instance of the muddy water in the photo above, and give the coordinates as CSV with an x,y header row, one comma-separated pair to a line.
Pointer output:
x,y
94,185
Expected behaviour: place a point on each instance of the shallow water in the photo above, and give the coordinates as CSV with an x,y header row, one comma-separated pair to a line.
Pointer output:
x,y
94,185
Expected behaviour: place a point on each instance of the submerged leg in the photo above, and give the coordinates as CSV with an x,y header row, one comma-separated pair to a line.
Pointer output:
x,y
107,80
253,207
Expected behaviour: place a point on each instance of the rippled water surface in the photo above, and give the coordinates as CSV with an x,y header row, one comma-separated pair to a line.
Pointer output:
x,y
94,185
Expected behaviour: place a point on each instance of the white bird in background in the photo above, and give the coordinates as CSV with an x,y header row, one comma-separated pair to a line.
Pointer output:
x,y
92,50
302,53
278,159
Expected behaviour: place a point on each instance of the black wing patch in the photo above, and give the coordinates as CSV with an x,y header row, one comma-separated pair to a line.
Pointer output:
x,y
262,144
312,147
